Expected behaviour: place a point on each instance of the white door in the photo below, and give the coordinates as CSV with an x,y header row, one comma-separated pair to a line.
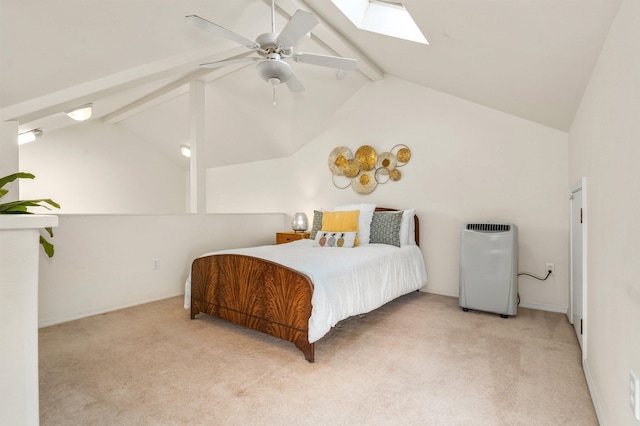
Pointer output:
x,y
577,314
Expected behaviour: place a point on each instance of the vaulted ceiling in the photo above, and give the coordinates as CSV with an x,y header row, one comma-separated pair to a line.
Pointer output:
x,y
133,59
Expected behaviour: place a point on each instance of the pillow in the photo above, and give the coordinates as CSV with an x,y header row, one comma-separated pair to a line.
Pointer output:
x,y
342,221
364,222
385,228
406,236
317,224
412,230
335,239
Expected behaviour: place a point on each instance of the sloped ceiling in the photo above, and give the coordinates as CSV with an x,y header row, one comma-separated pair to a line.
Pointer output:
x,y
134,59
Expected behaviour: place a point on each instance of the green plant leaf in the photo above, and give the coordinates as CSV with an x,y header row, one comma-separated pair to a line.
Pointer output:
x,y
5,180
21,205
50,202
19,209
47,246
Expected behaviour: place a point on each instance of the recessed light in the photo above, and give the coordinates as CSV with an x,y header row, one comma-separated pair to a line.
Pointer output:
x,y
185,150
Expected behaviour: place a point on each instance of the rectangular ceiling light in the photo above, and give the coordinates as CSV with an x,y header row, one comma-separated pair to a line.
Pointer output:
x,y
388,18
29,136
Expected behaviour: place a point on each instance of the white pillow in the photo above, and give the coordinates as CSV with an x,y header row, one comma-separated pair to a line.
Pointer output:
x,y
335,239
364,220
407,228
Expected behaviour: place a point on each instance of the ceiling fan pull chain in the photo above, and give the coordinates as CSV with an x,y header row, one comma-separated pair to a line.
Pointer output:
x,y
274,95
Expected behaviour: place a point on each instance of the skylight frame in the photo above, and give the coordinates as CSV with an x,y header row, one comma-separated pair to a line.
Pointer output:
x,y
388,18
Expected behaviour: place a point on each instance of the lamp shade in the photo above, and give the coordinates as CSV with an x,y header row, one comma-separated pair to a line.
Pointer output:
x,y
300,222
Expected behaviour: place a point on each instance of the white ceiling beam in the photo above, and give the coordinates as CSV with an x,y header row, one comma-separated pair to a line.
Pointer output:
x,y
222,71
325,34
157,97
178,87
71,97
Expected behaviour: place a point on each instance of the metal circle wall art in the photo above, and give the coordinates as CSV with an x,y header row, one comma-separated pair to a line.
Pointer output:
x,y
366,158
402,153
382,175
338,160
365,182
366,169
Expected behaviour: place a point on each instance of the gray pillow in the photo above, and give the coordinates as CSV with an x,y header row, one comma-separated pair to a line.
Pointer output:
x,y
385,228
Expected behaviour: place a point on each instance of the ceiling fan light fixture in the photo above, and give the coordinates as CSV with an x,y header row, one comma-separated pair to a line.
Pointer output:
x,y
81,113
274,71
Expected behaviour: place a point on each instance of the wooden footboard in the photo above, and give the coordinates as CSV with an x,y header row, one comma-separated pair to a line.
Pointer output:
x,y
254,293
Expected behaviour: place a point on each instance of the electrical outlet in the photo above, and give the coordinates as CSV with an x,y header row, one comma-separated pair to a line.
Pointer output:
x,y
550,267
634,394
155,264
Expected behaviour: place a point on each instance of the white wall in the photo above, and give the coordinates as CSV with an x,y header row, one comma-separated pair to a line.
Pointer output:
x,y
9,157
103,263
604,146
94,167
468,163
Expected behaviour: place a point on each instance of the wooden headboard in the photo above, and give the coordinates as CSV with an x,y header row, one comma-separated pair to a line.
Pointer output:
x,y
416,221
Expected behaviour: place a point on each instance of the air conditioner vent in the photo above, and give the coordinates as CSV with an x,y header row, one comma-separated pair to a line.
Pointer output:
x,y
488,227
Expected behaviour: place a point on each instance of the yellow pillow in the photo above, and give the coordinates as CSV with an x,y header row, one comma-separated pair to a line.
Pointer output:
x,y
341,221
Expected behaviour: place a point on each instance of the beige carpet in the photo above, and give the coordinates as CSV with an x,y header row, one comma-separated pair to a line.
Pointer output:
x,y
418,360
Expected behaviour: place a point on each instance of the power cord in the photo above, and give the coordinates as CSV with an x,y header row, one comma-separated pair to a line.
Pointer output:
x,y
535,276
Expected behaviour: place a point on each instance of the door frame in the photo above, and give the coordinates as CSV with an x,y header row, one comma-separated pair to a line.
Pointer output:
x,y
580,185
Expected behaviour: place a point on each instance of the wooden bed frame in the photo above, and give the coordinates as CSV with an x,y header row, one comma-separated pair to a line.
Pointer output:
x,y
258,294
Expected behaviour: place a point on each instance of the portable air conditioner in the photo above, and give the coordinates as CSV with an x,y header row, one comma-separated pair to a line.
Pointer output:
x,y
489,268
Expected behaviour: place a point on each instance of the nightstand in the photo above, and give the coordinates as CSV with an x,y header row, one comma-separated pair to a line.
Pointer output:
x,y
287,237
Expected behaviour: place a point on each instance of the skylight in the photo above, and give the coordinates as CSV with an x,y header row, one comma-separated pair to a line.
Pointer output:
x,y
383,17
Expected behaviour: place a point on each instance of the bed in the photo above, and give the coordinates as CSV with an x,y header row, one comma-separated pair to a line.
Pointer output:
x,y
299,290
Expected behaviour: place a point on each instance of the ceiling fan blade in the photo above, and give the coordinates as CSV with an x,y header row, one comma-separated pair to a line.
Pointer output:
x,y
346,64
294,84
301,23
227,62
216,29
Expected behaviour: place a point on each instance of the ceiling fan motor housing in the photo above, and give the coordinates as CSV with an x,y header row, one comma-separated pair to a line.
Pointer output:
x,y
269,44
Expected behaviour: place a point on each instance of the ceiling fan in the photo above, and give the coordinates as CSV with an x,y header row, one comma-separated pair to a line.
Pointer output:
x,y
274,48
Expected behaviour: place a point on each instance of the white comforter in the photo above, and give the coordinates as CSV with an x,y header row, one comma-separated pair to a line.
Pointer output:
x,y
346,281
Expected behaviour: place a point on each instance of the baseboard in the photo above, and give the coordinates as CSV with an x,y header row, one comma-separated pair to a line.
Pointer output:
x,y
538,306
102,311
543,307
428,289
594,394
